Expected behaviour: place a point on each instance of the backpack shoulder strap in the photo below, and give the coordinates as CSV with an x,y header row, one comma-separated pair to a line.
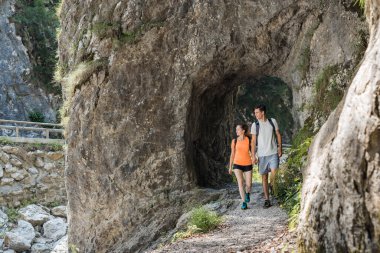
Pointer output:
x,y
249,142
274,129
257,132
271,122
257,128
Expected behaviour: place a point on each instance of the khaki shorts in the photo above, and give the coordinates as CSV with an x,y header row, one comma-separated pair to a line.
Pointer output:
x,y
266,163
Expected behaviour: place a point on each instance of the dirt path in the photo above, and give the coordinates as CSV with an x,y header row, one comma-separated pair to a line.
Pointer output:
x,y
253,230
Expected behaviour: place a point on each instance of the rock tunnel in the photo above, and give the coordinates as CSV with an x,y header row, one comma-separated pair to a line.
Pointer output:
x,y
214,112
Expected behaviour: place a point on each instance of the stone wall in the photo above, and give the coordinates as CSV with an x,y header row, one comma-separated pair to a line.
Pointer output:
x,y
31,176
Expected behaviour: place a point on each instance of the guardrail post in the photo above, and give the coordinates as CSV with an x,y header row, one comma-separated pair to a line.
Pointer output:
x,y
47,133
17,131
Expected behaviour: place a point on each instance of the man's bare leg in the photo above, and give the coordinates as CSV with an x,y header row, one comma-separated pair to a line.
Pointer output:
x,y
265,185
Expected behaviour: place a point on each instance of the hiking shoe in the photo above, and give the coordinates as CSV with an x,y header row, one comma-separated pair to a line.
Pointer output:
x,y
247,197
267,203
244,206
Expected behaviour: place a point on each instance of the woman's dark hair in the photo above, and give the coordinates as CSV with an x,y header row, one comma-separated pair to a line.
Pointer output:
x,y
244,127
261,107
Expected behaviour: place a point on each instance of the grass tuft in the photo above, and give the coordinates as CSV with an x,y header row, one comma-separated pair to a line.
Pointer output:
x,y
201,221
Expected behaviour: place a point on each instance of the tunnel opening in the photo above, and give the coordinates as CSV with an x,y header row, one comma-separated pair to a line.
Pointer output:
x,y
214,112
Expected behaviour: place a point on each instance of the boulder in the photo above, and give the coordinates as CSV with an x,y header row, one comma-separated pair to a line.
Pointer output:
x,y
34,214
41,248
61,246
55,228
59,211
21,237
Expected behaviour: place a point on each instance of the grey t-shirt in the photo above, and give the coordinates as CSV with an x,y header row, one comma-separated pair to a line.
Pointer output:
x,y
267,139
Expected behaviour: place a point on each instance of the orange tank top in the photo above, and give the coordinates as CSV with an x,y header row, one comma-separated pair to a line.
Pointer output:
x,y
242,156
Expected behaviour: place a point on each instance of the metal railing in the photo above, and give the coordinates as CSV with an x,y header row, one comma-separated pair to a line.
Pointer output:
x,y
45,130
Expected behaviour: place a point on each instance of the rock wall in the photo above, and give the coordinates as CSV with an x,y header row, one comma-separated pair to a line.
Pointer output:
x,y
150,89
31,176
19,95
341,192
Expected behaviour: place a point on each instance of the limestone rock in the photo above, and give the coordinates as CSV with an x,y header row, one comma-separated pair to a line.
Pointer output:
x,y
4,157
33,171
49,166
41,248
3,218
54,156
341,193
20,238
6,181
9,251
10,169
3,223
15,162
61,246
19,175
1,172
39,163
55,228
34,214
59,211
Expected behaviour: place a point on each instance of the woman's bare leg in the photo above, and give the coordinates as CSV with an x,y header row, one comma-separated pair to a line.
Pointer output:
x,y
239,177
248,181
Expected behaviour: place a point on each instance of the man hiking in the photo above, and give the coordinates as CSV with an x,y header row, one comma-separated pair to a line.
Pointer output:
x,y
266,134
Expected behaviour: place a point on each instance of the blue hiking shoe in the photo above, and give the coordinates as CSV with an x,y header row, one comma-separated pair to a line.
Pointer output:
x,y
244,206
247,197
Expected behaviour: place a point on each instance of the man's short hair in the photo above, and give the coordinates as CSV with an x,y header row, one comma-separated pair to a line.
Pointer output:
x,y
261,107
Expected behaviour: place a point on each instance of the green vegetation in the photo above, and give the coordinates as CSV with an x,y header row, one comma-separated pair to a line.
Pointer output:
x,y
272,92
303,134
73,248
304,62
201,221
256,177
328,93
289,181
36,116
37,23
27,202
12,214
75,80
191,230
204,220
361,3
105,29
114,30
32,146
54,203
360,45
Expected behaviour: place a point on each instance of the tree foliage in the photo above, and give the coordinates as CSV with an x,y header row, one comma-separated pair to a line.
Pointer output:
x,y
37,23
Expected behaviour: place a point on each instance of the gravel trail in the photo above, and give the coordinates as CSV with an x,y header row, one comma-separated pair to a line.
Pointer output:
x,y
253,230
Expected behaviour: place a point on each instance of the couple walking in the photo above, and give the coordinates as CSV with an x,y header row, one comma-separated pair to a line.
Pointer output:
x,y
267,137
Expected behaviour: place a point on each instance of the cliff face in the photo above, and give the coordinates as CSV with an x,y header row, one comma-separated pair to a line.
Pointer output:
x,y
340,210
19,94
150,88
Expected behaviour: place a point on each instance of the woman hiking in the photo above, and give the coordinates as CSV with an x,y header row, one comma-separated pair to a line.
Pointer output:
x,y
241,162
